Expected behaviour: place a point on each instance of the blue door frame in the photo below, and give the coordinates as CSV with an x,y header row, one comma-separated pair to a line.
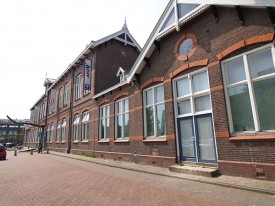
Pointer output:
x,y
197,152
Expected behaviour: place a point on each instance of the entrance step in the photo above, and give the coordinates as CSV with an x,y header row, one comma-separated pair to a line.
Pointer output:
x,y
193,169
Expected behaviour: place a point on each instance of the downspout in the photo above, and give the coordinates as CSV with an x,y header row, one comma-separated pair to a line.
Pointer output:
x,y
71,113
44,135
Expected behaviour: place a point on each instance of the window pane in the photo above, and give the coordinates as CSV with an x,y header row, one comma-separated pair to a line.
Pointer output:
x,y
102,125
241,108
119,106
264,92
126,125
200,82
150,121
202,103
119,126
107,111
235,71
161,129
261,63
183,87
126,105
184,107
102,113
149,97
107,128
159,94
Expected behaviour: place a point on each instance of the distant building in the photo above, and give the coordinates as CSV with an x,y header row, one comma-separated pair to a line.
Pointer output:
x,y
10,128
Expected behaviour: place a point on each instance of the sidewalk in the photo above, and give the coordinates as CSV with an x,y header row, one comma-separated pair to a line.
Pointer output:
x,y
260,186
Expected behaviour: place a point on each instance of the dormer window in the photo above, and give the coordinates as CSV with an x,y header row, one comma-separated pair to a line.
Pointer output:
x,y
121,74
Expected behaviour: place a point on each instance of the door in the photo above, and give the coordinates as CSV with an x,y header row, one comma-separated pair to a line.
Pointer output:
x,y
197,139
205,139
187,139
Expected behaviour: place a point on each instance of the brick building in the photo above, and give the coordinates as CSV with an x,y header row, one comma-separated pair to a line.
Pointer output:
x,y
9,128
201,90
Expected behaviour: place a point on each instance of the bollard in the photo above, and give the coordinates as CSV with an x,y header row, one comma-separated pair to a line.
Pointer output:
x,y
31,152
48,151
15,152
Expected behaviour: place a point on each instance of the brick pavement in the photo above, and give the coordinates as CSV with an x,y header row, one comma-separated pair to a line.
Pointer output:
x,y
42,179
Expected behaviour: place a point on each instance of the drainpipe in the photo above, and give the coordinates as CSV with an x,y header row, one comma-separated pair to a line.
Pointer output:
x,y
44,135
71,112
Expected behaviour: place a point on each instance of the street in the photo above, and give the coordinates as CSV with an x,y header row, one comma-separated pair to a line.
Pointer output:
x,y
46,179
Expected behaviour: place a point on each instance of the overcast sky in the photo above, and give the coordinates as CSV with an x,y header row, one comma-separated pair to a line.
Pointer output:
x,y
45,36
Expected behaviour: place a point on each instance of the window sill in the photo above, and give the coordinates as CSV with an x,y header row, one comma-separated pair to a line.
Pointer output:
x,y
155,140
104,141
63,142
121,140
75,141
254,136
84,141
57,142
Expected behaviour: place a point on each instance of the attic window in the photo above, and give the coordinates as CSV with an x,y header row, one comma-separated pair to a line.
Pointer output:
x,y
185,47
121,74
122,77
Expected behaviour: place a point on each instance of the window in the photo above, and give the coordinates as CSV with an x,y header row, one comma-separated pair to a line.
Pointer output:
x,y
250,85
51,132
48,132
65,100
78,87
122,119
193,94
75,127
60,99
154,112
58,131
63,130
85,126
45,108
185,47
104,122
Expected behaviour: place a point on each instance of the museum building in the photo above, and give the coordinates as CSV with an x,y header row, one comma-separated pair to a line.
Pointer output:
x,y
201,90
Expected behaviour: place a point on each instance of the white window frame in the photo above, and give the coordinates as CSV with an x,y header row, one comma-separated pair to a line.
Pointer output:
x,y
249,81
122,113
85,126
154,105
76,127
58,131
192,95
78,87
105,117
63,130
65,96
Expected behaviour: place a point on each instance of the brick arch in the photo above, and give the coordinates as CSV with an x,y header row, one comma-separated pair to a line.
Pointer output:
x,y
241,44
104,102
151,81
183,37
190,65
85,109
75,113
121,94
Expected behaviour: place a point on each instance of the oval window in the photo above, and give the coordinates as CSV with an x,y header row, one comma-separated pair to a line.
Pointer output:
x,y
185,47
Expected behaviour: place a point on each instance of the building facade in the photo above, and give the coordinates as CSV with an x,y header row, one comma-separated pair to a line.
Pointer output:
x,y
201,90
